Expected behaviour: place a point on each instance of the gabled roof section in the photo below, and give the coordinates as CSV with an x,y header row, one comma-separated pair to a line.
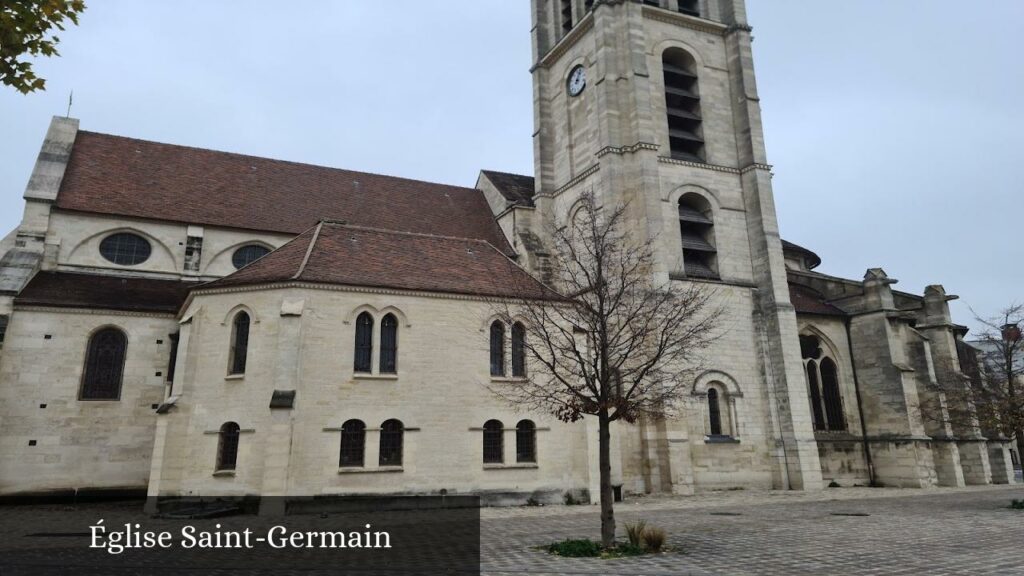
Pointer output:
x,y
341,254
128,177
516,188
104,292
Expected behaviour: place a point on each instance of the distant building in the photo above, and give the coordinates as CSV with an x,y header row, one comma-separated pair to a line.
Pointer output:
x,y
191,322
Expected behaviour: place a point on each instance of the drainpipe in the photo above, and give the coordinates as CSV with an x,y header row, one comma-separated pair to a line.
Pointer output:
x,y
860,408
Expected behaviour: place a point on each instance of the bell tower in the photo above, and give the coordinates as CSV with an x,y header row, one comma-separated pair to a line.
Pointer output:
x,y
653,103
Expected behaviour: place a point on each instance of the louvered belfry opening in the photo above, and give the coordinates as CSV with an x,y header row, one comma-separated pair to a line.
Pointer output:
x,y
690,7
697,235
566,16
682,103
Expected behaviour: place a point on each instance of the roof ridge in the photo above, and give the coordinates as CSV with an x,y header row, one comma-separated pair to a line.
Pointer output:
x,y
508,173
309,250
267,159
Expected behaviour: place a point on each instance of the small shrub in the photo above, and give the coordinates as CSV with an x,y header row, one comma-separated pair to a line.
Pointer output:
x,y
834,484
571,500
576,548
626,549
531,501
654,539
635,533
1017,505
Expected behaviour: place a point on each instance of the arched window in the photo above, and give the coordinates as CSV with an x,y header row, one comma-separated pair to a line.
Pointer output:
x,y
364,342
353,443
518,350
248,254
125,248
227,447
526,441
823,385
494,444
389,344
697,231
104,365
830,395
714,413
391,443
497,349
239,343
682,103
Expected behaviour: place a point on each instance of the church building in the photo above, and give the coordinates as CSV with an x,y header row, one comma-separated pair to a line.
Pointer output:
x,y
182,322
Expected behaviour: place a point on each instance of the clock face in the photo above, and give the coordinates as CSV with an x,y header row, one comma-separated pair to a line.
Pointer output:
x,y
577,80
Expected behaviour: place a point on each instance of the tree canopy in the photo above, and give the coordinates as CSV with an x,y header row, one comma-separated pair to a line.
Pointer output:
x,y
26,31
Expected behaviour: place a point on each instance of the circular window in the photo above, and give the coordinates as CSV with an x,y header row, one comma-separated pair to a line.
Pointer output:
x,y
248,254
125,249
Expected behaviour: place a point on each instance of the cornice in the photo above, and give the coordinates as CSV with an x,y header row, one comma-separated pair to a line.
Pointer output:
x,y
715,167
567,42
94,311
347,288
620,150
680,19
579,178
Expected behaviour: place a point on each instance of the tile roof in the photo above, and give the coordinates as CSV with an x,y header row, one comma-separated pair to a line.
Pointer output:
x,y
810,301
74,290
128,177
811,260
336,253
516,188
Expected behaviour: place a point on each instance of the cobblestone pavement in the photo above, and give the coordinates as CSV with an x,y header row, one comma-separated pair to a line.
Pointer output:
x,y
834,532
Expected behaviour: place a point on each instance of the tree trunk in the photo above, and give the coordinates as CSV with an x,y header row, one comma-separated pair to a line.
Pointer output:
x,y
605,465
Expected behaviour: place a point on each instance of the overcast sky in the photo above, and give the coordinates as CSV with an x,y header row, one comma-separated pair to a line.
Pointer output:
x,y
895,126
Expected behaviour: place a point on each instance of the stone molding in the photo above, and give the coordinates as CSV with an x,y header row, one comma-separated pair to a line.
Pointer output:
x,y
692,22
94,311
715,167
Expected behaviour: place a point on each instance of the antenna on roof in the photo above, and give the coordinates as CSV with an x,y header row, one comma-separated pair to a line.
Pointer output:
x,y
71,96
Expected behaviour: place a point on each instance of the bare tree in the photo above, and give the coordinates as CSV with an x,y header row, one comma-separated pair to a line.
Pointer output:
x,y
614,344
986,389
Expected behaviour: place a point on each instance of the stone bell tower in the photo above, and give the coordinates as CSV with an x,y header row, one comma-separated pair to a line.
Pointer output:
x,y
653,103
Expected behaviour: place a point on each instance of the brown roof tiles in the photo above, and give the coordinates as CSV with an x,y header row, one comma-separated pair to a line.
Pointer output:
x,y
72,290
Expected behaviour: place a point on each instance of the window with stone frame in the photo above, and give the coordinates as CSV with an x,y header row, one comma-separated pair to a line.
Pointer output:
x,y
104,365
518,350
690,7
526,441
719,422
824,395
497,348
353,444
364,343
239,352
391,433
714,413
227,447
697,236
494,443
682,106
389,344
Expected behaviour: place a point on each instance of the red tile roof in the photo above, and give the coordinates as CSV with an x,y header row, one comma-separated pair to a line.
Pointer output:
x,y
73,290
357,256
516,188
128,177
810,301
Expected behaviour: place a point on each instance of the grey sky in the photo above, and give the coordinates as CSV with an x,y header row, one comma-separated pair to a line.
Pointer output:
x,y
895,126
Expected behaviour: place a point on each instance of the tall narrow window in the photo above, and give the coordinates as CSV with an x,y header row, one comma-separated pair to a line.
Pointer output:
x,y
389,344
364,342
831,396
682,103
526,441
566,16
714,412
690,7
518,350
227,447
697,234
239,343
104,365
494,445
391,443
812,382
353,443
497,349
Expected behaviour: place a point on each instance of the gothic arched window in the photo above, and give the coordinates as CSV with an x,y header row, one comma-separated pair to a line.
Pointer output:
x,y
526,441
239,343
389,344
823,385
391,443
697,234
364,342
104,365
353,443
682,104
227,446
714,413
497,349
494,445
518,350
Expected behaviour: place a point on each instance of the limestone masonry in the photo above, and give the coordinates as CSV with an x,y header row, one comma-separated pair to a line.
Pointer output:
x,y
186,322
